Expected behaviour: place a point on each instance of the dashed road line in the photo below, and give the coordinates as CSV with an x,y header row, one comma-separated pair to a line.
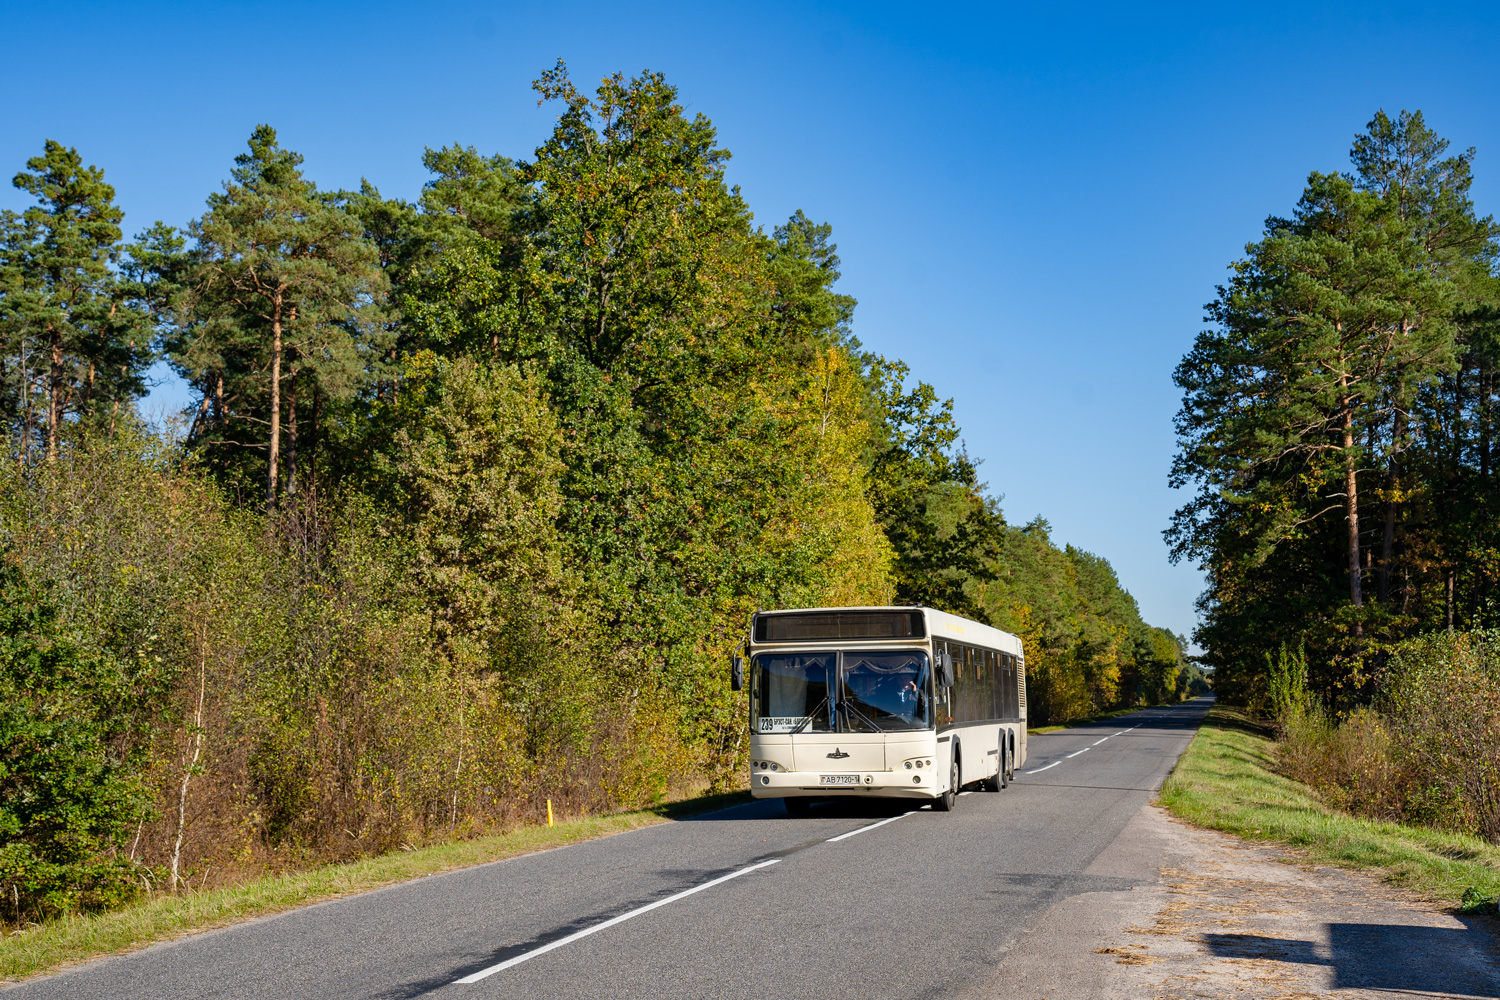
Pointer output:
x,y
851,833
475,977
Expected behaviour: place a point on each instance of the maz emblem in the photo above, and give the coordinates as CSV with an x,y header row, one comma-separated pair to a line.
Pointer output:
x,y
838,754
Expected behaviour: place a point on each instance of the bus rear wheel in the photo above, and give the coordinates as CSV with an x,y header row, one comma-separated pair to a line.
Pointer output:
x,y
997,781
797,805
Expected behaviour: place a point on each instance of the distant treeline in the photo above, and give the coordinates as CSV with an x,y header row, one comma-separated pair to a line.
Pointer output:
x,y
1339,423
473,503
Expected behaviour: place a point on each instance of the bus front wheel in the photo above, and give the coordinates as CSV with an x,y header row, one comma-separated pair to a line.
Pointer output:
x,y
945,802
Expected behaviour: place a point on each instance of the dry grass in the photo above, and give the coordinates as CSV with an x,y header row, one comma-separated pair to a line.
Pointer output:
x,y
1228,780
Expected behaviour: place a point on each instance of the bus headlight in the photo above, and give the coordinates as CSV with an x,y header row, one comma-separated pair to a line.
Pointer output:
x,y
908,765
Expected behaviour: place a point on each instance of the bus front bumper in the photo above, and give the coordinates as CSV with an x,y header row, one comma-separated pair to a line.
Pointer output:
x,y
902,784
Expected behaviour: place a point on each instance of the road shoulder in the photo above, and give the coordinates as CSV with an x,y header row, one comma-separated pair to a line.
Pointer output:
x,y
1213,915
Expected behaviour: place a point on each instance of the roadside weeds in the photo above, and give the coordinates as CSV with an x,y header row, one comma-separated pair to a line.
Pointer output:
x,y
49,947
1226,781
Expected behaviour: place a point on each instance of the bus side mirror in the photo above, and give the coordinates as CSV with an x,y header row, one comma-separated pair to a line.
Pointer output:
x,y
944,670
736,674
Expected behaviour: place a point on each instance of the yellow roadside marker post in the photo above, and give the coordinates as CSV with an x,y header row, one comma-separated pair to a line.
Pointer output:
x,y
549,812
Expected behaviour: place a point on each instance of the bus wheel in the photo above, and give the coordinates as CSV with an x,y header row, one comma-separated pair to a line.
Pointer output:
x,y
944,803
1003,776
993,781
797,805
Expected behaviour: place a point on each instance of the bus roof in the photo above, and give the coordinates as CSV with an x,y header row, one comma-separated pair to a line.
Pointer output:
x,y
940,625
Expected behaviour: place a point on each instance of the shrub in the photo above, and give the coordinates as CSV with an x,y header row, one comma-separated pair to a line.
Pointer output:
x,y
1441,693
1427,751
69,795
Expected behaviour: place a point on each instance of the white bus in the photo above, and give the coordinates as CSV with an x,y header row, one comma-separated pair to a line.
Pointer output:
x,y
894,701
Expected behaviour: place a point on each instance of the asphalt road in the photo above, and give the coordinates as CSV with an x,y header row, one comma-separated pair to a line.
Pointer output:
x,y
921,905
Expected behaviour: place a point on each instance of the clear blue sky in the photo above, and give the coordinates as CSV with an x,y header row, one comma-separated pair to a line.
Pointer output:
x,y
1032,206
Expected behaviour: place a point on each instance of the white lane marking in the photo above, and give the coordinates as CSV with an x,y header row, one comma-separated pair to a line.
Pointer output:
x,y
851,833
1072,755
552,945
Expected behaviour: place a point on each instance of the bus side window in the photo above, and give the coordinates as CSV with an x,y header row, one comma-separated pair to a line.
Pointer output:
x,y
992,690
981,686
1012,701
984,688
966,688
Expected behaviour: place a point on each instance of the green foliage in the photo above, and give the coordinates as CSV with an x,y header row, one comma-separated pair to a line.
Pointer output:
x,y
1425,752
472,468
1231,779
479,493
1286,682
1343,389
70,789
74,340
280,293
1441,697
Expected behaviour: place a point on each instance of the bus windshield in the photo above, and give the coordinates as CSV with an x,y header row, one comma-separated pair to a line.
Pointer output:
x,y
876,691
886,690
793,691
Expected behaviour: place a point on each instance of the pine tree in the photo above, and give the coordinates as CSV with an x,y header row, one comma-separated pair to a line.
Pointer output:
x,y
75,344
281,302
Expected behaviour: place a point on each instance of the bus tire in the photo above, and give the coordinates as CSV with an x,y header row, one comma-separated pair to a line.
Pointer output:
x,y
997,781
1003,776
944,803
797,805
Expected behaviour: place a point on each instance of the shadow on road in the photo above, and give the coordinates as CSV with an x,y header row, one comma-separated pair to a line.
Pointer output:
x,y
842,808
1388,957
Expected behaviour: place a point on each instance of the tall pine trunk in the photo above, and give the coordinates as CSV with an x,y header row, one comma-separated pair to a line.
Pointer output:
x,y
291,437
1351,505
54,394
275,455
1392,483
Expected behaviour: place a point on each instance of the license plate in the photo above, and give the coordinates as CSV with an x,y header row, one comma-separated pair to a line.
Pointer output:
x,y
838,779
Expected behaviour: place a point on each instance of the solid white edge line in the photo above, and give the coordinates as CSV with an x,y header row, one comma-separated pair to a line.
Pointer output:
x,y
1072,755
475,977
1041,769
834,840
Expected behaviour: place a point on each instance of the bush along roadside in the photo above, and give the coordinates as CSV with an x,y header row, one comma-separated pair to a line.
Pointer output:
x,y
1231,779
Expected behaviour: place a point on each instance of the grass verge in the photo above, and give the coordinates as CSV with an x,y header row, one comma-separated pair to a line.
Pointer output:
x,y
50,946
1227,781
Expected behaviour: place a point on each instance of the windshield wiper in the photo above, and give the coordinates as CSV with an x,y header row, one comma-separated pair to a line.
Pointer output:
x,y
849,707
809,717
